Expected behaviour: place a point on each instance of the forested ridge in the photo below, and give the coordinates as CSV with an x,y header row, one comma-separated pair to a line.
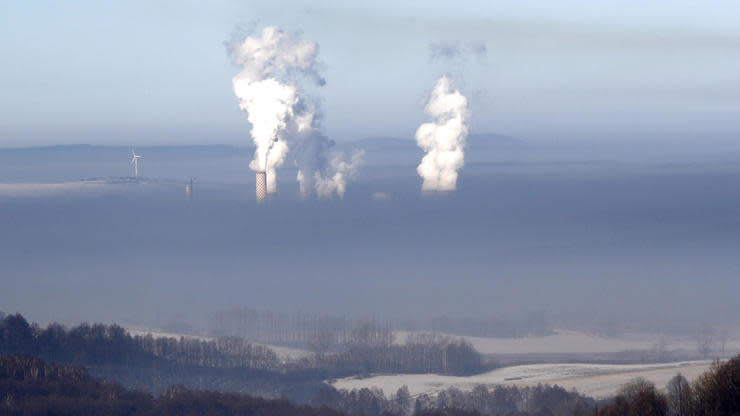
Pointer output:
x,y
101,369
230,363
31,386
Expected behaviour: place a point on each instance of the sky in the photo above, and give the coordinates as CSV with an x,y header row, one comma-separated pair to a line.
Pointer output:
x,y
157,72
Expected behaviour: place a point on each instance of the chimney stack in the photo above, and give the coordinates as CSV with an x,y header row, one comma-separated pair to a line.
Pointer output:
x,y
261,186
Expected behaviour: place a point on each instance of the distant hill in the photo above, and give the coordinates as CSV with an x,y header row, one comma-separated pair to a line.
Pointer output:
x,y
75,152
494,140
86,160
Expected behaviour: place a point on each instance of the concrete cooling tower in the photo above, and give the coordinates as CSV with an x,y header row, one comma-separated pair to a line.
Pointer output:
x,y
261,186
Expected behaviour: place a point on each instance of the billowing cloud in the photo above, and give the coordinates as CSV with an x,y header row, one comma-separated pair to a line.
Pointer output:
x,y
443,139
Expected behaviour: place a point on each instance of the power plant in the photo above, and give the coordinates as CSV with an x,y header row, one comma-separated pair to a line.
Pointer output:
x,y
261,186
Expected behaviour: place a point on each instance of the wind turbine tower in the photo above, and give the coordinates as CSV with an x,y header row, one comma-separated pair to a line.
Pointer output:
x,y
135,162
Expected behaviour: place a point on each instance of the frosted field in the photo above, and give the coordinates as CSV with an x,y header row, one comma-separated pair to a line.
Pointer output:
x,y
595,380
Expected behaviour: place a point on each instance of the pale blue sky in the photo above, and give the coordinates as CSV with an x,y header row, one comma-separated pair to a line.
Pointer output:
x,y
151,72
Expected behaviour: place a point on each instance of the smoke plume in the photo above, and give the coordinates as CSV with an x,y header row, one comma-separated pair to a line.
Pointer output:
x,y
283,117
268,91
321,170
340,170
443,139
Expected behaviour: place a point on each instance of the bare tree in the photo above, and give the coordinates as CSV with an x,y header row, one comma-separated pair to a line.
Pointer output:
x,y
642,398
723,335
660,348
704,340
402,401
679,396
321,343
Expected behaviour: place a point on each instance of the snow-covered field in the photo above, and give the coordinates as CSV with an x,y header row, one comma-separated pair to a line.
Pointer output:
x,y
595,380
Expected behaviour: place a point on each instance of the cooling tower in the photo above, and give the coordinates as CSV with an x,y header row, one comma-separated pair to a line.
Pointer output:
x,y
261,186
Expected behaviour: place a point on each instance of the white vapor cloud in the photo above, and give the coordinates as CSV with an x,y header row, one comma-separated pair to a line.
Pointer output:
x,y
268,91
443,139
283,117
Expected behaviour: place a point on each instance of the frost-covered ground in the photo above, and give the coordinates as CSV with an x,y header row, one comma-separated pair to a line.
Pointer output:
x,y
595,380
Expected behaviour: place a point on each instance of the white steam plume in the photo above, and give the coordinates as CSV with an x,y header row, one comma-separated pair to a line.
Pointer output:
x,y
282,117
340,171
321,170
443,139
267,90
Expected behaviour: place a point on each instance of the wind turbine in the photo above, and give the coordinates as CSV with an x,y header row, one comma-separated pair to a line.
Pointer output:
x,y
135,162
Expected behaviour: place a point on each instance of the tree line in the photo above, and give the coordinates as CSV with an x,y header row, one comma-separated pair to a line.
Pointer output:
x,y
481,400
152,364
714,393
31,386
369,348
232,364
372,350
100,344
300,329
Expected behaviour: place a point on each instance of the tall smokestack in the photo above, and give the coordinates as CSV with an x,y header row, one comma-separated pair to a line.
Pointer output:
x,y
261,186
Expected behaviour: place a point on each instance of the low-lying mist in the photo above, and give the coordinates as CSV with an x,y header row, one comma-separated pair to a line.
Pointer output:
x,y
579,240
